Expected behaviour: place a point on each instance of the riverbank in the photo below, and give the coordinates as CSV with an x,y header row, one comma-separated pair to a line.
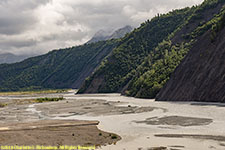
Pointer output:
x,y
141,124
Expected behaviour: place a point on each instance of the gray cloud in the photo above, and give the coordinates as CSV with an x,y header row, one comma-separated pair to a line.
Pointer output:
x,y
16,15
37,26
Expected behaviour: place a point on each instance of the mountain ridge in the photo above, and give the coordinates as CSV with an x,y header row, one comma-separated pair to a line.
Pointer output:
x,y
103,35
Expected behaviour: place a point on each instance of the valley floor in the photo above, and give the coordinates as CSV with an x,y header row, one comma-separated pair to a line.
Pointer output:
x,y
142,124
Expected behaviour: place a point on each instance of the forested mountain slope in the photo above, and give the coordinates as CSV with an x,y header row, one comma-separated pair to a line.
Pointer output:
x,y
131,51
145,59
155,71
64,68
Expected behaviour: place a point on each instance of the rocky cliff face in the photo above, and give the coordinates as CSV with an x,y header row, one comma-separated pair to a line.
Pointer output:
x,y
201,75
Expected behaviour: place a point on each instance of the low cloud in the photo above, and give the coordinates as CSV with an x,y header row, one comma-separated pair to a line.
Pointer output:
x,y
38,26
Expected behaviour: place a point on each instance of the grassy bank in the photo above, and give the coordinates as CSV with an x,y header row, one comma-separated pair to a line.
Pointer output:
x,y
34,92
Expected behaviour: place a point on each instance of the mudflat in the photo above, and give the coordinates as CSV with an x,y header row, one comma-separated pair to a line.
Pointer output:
x,y
55,133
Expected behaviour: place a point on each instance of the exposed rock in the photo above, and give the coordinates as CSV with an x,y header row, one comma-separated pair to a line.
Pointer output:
x,y
201,75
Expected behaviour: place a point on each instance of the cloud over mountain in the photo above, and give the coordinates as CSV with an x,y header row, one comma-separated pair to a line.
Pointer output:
x,y
37,26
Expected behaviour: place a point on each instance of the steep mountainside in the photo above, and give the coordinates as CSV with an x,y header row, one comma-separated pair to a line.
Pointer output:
x,y
144,60
65,68
103,35
201,75
11,58
155,71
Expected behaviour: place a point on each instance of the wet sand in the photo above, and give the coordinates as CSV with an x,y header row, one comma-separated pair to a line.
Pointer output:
x,y
177,121
142,124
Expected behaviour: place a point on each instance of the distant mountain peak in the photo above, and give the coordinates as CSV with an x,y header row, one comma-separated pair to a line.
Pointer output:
x,y
102,35
121,32
11,58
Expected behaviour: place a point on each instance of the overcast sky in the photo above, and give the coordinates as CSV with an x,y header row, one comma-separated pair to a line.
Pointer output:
x,y
38,26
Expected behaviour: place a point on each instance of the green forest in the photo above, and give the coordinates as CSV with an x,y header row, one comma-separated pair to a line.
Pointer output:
x,y
57,69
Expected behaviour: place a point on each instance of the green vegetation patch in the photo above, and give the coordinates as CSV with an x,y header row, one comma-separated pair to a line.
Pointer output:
x,y
2,105
47,99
